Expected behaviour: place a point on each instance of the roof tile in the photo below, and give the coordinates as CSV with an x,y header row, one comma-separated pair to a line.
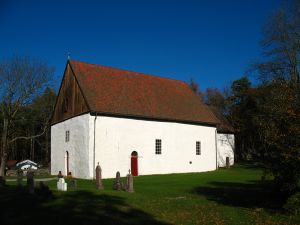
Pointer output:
x,y
122,92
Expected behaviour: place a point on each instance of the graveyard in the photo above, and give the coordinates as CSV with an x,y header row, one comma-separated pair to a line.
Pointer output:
x,y
226,196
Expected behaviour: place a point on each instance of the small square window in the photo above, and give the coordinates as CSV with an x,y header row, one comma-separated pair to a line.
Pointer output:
x,y
67,136
198,148
158,146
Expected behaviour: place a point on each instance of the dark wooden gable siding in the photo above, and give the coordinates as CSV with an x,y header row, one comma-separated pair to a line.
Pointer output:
x,y
70,100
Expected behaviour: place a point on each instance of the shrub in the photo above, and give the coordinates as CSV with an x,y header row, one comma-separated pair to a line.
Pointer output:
x,y
292,204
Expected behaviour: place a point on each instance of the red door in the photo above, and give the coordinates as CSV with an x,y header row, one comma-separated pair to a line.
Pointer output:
x,y
134,163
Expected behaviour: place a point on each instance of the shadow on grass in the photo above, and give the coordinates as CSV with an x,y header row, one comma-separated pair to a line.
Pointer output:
x,y
248,195
77,207
249,165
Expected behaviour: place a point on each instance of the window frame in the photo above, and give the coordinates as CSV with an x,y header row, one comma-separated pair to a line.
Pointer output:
x,y
67,136
198,147
158,146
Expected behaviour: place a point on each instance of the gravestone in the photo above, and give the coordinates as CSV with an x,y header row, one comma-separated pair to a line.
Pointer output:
x,y
30,182
227,162
60,174
44,190
129,182
117,184
62,185
73,183
2,181
19,177
99,184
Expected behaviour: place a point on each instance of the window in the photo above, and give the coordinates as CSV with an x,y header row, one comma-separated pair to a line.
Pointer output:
x,y
67,136
198,148
158,146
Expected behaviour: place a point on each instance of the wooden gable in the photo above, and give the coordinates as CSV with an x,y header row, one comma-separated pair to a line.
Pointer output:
x,y
70,101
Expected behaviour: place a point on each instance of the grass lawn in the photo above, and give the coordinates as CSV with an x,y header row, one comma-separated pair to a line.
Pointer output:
x,y
232,196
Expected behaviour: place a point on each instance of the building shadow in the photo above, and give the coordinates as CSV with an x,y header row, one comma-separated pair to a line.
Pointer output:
x,y
76,207
254,194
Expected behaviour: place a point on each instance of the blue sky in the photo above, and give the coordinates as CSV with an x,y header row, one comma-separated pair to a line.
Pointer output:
x,y
212,42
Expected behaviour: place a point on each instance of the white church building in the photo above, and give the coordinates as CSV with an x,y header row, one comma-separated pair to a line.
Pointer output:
x,y
127,120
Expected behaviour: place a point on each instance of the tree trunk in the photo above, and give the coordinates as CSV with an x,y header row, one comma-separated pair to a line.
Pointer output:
x,y
4,147
31,149
47,148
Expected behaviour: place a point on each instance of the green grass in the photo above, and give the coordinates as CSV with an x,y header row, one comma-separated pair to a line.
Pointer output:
x,y
232,196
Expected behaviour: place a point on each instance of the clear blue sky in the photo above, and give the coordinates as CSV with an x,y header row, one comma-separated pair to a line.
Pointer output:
x,y
211,41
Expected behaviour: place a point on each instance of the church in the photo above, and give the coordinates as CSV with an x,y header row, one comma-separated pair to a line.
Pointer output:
x,y
124,120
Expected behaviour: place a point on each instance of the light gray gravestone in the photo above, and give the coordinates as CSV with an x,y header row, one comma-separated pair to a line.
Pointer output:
x,y
129,182
117,184
99,184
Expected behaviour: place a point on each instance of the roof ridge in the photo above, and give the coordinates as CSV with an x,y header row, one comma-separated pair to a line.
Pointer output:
x,y
145,74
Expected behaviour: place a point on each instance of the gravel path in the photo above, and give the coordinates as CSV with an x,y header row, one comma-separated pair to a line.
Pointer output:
x,y
37,179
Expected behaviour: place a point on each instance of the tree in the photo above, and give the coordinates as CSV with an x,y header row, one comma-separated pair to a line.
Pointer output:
x,y
21,80
278,117
281,45
242,110
42,107
278,129
195,88
217,99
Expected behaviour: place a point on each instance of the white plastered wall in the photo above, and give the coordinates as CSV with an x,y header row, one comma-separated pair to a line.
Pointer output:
x,y
225,148
116,138
77,146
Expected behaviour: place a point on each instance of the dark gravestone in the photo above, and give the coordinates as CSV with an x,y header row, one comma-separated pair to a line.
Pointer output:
x,y
73,183
227,162
99,185
60,174
117,184
19,177
30,182
2,181
129,182
44,190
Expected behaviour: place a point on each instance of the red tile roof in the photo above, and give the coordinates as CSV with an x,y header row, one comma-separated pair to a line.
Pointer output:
x,y
121,92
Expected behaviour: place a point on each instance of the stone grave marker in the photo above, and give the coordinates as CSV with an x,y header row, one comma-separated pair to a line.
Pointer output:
x,y
60,174
99,184
129,182
73,183
62,185
2,181
117,184
19,177
30,182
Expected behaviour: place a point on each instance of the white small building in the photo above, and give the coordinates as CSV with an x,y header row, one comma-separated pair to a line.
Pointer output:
x,y
225,140
126,120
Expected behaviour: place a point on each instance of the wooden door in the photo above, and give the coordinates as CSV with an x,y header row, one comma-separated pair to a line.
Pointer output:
x,y
134,163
